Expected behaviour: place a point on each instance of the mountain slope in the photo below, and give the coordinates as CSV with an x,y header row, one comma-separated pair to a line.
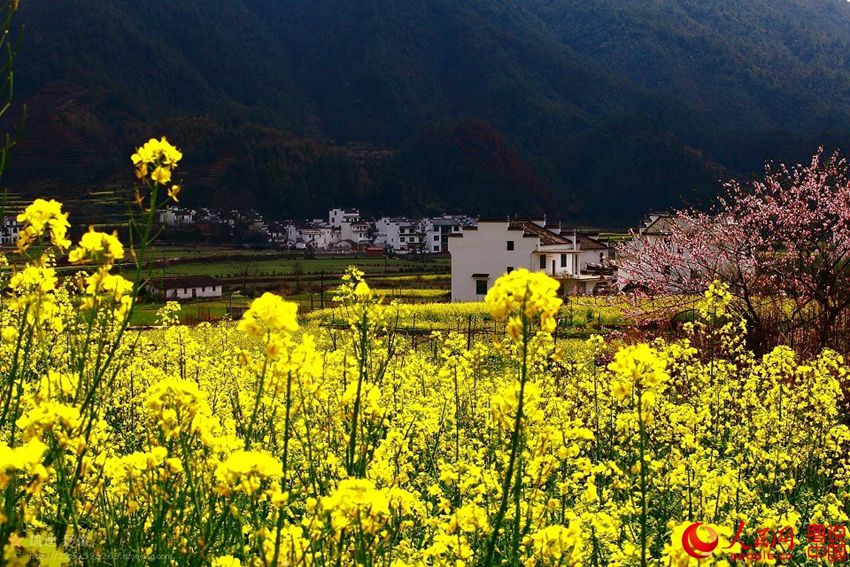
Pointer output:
x,y
594,111
757,64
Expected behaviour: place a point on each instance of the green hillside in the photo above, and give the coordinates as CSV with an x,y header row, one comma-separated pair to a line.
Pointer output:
x,y
594,111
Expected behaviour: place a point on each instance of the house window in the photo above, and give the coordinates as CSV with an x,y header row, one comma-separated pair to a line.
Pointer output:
x,y
401,239
542,261
436,237
481,287
436,248
510,244
563,260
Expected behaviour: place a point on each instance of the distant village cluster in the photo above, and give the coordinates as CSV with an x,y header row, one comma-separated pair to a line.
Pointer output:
x,y
344,230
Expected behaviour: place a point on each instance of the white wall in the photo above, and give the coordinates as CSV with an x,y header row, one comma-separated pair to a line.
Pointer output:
x,y
189,293
553,254
354,231
484,251
389,229
433,240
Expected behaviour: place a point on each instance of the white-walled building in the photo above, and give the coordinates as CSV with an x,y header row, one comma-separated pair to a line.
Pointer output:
x,y
336,217
672,267
657,226
315,236
403,235
357,232
10,230
592,255
173,216
480,255
442,228
189,287
278,232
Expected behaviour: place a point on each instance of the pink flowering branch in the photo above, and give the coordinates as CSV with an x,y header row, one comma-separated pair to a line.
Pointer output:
x,y
781,243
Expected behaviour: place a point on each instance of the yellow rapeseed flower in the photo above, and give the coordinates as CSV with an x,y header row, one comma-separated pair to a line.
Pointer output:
x,y
523,293
357,500
158,157
636,366
25,459
97,246
269,313
246,472
41,215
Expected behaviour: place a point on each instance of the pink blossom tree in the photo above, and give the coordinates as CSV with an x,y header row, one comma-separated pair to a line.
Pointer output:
x,y
782,244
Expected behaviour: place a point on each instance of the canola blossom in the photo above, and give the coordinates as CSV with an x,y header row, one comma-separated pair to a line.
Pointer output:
x,y
44,219
156,159
276,440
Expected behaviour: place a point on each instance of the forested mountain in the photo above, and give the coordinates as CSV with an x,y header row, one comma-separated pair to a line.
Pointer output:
x,y
594,111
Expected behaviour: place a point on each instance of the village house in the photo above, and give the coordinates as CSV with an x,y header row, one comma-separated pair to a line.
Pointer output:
x,y
256,222
403,235
656,226
211,216
185,287
654,233
494,247
350,227
443,227
313,235
278,233
356,232
336,217
9,231
173,216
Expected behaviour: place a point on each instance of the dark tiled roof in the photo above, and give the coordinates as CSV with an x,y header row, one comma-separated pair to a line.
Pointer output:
x,y
587,243
660,226
547,237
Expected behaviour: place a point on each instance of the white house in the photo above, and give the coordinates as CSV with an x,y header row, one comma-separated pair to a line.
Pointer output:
x,y
173,216
336,217
403,235
593,256
657,226
10,230
318,236
356,231
481,254
188,287
443,227
650,238
278,232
